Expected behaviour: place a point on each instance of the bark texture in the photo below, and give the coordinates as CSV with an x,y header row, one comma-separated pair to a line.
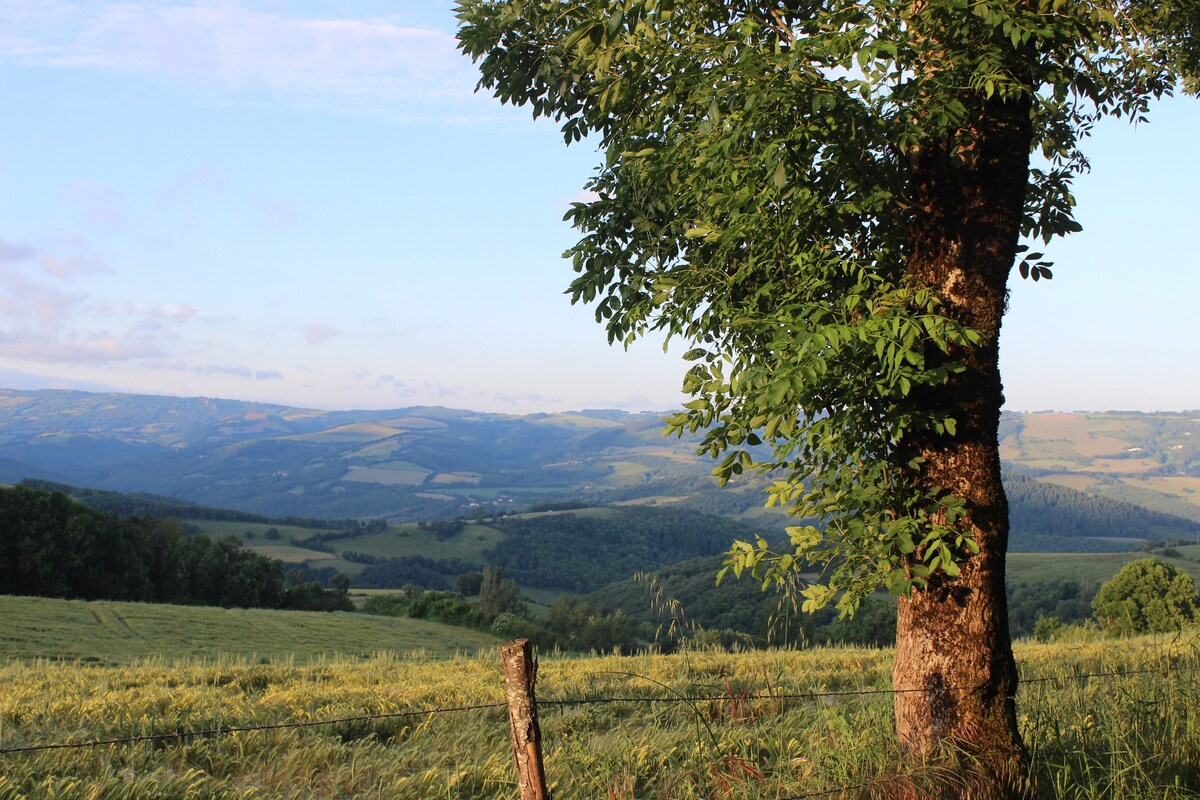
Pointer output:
x,y
954,665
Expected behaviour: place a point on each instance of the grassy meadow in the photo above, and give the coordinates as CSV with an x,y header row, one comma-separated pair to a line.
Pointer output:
x,y
1090,568
764,728
113,633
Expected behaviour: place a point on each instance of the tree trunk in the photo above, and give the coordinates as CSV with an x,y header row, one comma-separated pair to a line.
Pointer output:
x,y
953,648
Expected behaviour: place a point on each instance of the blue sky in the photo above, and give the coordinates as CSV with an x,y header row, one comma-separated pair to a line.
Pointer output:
x,y
305,203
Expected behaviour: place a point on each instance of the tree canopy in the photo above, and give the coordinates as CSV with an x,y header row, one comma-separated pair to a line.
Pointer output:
x,y
825,199
761,197
1147,596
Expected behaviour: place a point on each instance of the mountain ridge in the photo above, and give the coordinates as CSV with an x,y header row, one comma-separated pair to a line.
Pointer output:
x,y
429,462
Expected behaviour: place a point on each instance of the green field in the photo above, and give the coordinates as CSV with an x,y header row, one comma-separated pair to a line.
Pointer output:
x,y
766,728
1148,459
387,476
1090,568
117,633
217,529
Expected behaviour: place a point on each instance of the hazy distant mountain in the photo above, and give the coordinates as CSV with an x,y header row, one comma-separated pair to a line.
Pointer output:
x,y
1076,479
411,463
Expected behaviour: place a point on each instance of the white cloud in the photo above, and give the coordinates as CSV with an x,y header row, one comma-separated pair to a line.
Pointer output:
x,y
524,400
64,268
230,47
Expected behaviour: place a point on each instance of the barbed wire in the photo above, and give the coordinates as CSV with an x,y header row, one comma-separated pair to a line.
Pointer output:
x,y
582,701
840,692
224,731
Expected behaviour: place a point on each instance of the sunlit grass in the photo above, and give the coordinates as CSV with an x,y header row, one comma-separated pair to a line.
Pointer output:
x,y
115,633
751,725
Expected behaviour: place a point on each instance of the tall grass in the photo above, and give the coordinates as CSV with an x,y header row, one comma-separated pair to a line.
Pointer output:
x,y
749,725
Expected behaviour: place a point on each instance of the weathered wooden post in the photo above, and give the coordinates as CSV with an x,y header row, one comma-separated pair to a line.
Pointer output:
x,y
520,674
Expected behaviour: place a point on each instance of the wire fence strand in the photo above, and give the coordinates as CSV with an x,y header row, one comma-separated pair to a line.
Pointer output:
x,y
582,701
225,730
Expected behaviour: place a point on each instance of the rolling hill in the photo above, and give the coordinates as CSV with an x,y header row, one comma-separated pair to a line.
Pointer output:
x,y
1077,482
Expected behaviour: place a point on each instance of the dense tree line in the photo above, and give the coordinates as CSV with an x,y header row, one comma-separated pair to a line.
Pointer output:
x,y
141,504
53,546
144,505
429,573
1045,514
582,553
571,624
683,595
1069,602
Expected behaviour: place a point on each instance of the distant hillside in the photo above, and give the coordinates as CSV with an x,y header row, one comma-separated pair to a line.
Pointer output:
x,y
1150,460
142,504
406,464
1048,517
1082,482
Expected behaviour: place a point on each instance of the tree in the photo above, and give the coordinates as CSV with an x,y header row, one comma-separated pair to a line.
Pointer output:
x,y
825,200
498,594
1146,596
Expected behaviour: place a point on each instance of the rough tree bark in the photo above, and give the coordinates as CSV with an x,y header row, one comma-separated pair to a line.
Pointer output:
x,y
953,640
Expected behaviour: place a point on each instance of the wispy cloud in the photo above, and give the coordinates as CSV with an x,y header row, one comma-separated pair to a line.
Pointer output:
x,y
318,334
147,316
524,400
238,372
231,47
45,319
98,348
99,201
12,253
62,267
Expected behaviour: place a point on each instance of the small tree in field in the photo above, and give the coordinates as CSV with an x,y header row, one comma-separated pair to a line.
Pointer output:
x,y
825,199
1147,596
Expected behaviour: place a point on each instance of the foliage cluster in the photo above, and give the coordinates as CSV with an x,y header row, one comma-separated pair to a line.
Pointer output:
x,y
580,553
393,573
682,596
571,623
52,546
785,188
1147,596
143,505
1069,602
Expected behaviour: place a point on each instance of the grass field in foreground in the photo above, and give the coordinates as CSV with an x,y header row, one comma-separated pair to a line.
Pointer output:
x,y
1132,737
117,633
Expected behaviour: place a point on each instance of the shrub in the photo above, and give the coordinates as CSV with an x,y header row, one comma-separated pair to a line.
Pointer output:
x,y
1146,596
1047,629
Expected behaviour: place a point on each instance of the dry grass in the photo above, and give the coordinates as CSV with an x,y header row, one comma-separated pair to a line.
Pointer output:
x,y
1129,736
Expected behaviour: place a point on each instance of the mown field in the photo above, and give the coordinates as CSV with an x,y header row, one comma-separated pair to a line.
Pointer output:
x,y
113,633
1090,568
772,724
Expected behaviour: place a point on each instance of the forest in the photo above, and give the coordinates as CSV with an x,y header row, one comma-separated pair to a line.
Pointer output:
x,y
53,546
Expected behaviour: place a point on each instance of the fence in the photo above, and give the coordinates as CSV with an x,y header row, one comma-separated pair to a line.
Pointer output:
x,y
520,673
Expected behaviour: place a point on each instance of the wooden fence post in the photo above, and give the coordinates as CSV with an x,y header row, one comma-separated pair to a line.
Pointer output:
x,y
520,674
